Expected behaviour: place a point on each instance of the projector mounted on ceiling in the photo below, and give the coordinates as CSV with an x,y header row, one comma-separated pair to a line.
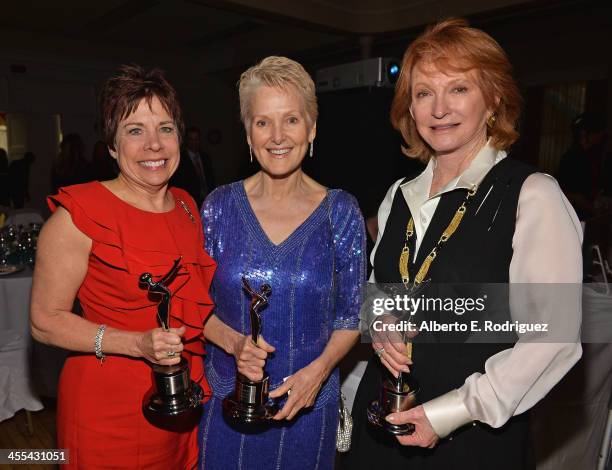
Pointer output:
x,y
375,72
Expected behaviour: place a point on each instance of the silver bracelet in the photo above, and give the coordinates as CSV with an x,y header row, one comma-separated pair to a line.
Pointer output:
x,y
98,343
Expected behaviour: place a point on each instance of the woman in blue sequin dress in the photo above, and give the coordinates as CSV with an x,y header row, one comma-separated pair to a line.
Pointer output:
x,y
282,228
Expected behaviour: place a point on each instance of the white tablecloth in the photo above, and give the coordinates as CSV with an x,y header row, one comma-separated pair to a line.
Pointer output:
x,y
16,385
569,424
15,301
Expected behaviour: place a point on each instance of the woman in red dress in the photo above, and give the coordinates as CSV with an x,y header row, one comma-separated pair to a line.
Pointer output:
x,y
100,239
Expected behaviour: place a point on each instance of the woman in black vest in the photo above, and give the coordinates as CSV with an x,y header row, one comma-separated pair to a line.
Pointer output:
x,y
474,216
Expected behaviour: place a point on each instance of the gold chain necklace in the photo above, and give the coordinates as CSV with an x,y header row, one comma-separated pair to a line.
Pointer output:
x,y
404,259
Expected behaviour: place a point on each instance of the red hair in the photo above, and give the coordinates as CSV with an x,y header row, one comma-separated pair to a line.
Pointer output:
x,y
453,46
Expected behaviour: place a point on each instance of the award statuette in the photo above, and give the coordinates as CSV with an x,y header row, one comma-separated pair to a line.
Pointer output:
x,y
396,394
173,393
249,402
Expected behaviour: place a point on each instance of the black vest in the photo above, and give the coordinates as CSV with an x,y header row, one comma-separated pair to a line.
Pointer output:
x,y
479,251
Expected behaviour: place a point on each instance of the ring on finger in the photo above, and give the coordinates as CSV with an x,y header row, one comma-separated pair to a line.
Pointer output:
x,y
379,351
171,353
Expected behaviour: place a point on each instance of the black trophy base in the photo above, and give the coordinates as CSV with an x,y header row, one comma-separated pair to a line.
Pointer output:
x,y
392,400
240,413
376,417
249,406
174,402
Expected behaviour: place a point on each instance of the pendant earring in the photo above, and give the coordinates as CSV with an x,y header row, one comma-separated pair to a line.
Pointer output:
x,y
491,120
251,153
311,148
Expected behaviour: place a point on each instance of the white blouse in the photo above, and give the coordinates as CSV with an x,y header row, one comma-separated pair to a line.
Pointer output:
x,y
546,249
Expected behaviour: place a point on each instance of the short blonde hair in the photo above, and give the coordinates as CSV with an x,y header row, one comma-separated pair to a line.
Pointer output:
x,y
279,72
453,46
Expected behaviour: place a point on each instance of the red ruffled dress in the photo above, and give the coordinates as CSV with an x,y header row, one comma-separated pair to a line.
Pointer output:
x,y
99,405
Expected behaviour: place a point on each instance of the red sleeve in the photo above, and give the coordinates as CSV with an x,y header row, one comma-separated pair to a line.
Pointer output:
x,y
93,218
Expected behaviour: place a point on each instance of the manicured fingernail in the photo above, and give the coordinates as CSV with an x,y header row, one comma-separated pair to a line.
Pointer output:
x,y
390,418
405,369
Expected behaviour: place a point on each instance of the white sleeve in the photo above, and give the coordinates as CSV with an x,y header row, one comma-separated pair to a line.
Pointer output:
x,y
547,249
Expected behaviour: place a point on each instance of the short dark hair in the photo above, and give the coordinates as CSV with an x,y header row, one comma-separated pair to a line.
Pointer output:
x,y
122,93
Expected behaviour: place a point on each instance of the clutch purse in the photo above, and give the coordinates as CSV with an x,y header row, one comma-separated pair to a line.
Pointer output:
x,y
345,427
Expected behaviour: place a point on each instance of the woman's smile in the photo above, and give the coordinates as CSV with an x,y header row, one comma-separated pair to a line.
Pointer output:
x,y
154,164
444,127
280,152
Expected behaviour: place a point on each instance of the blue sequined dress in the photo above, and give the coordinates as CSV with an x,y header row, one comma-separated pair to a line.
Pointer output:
x,y
317,276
